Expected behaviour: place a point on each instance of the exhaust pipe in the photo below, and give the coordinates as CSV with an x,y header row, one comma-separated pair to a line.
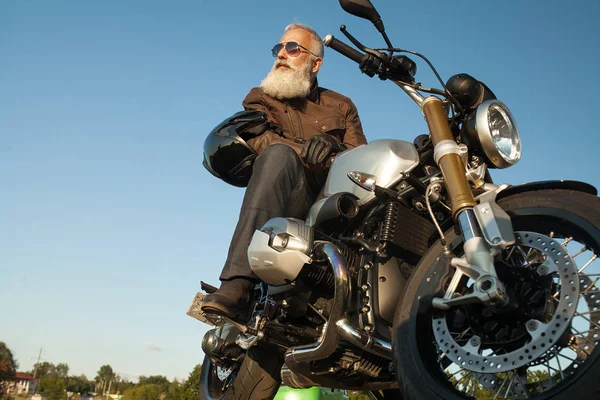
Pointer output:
x,y
362,340
330,338
297,359
296,372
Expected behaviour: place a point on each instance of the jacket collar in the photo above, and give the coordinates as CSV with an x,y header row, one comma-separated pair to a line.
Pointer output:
x,y
314,93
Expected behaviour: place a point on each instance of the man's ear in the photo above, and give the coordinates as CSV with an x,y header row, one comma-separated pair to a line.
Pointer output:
x,y
317,65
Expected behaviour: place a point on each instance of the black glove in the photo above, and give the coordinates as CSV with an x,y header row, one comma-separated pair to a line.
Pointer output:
x,y
319,147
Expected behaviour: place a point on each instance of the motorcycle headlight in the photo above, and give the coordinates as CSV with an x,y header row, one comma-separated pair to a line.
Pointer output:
x,y
498,133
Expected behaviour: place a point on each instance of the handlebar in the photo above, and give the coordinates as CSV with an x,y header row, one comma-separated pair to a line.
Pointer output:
x,y
343,48
358,57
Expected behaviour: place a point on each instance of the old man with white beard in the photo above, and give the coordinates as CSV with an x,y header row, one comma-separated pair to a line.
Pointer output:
x,y
310,125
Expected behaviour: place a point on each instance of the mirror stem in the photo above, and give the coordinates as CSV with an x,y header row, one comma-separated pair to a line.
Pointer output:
x,y
387,40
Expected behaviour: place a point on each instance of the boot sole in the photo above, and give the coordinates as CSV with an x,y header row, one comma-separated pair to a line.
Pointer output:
x,y
220,310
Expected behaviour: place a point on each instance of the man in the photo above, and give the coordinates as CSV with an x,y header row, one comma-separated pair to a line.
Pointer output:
x,y
316,123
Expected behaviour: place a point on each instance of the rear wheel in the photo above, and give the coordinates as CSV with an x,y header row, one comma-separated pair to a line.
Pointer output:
x,y
544,344
256,377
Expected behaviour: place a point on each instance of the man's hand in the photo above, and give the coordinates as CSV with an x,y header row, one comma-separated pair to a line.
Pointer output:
x,y
319,147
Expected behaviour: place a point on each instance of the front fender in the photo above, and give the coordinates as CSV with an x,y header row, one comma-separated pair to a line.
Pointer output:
x,y
542,185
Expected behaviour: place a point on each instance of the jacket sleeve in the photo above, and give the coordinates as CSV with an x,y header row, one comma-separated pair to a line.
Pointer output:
x,y
354,133
255,101
261,142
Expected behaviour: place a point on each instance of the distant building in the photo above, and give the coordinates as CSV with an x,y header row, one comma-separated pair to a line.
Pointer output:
x,y
21,384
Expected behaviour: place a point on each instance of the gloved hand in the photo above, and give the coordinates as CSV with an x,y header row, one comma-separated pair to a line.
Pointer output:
x,y
319,147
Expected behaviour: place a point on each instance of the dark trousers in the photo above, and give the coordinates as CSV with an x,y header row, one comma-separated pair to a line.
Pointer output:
x,y
278,188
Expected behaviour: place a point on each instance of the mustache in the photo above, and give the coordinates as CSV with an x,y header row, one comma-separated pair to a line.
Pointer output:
x,y
280,63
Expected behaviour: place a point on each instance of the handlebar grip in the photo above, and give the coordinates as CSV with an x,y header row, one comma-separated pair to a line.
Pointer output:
x,y
343,48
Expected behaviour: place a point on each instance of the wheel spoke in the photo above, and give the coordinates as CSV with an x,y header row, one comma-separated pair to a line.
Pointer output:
x,y
461,335
583,337
562,376
588,320
585,313
591,260
525,263
567,240
510,252
500,388
534,256
528,259
583,250
548,367
588,331
510,384
573,360
593,284
460,370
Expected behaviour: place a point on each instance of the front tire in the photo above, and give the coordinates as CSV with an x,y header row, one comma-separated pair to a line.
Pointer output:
x,y
257,377
424,370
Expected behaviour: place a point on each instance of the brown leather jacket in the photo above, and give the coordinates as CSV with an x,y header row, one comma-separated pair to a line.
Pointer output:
x,y
323,111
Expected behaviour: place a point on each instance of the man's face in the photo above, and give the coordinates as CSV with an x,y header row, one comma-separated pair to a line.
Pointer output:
x,y
304,39
292,77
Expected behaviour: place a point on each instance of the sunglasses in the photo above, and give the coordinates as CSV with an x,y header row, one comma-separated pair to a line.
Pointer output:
x,y
293,49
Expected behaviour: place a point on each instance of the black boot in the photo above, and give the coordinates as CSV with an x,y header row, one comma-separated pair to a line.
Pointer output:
x,y
231,300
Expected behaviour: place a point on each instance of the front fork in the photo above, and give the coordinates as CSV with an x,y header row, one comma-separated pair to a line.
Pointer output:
x,y
485,227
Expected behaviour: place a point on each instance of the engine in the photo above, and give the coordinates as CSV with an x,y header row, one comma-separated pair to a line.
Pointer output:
x,y
280,249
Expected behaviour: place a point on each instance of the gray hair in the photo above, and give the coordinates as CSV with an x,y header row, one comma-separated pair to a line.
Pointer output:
x,y
317,46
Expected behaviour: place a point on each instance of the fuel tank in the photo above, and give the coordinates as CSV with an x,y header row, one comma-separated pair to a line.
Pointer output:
x,y
386,159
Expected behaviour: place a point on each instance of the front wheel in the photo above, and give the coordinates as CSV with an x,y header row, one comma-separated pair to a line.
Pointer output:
x,y
256,377
543,344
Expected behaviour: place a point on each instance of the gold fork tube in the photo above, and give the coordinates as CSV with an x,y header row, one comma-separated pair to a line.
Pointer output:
x,y
451,164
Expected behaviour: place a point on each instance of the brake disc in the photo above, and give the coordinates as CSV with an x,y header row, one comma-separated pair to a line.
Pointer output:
x,y
544,335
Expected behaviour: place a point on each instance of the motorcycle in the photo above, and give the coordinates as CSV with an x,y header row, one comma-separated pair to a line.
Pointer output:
x,y
415,275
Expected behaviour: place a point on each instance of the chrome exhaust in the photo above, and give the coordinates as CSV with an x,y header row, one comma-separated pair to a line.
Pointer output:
x,y
363,340
330,338
296,372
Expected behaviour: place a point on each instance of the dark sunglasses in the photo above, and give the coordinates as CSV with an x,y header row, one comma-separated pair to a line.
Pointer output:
x,y
292,48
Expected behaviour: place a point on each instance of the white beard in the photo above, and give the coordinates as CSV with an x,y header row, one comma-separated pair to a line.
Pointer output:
x,y
283,83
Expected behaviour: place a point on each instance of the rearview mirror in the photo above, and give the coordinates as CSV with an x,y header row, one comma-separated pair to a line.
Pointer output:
x,y
361,8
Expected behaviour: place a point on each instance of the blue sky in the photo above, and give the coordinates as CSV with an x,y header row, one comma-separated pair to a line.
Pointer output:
x,y
108,220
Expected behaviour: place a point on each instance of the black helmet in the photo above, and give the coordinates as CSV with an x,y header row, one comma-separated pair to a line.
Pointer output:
x,y
226,153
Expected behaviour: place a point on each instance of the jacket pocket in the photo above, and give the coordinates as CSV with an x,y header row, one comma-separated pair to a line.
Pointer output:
x,y
334,126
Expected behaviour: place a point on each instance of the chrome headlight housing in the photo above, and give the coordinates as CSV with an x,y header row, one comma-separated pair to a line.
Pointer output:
x,y
498,134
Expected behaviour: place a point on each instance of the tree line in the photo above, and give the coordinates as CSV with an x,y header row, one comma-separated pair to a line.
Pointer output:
x,y
55,383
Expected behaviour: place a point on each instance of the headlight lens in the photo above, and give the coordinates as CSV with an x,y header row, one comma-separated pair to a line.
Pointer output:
x,y
498,133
